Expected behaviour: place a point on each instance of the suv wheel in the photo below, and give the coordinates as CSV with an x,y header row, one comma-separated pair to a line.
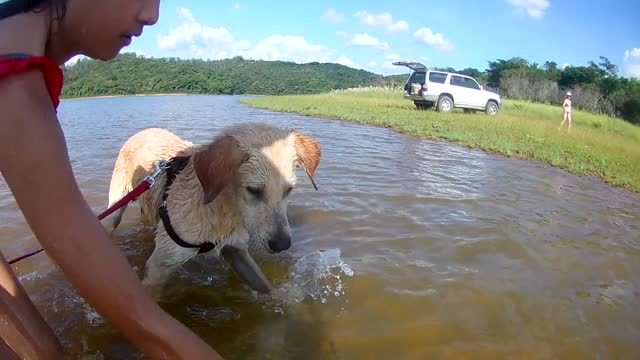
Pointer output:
x,y
492,108
445,104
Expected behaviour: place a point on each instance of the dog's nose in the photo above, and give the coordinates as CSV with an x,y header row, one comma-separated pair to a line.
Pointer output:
x,y
280,242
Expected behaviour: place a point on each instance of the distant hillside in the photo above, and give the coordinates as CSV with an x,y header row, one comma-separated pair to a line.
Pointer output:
x,y
130,74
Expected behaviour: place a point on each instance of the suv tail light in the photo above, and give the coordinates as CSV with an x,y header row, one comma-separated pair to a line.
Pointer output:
x,y
425,88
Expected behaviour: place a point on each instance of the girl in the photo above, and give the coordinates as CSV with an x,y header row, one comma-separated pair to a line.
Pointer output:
x,y
567,112
36,37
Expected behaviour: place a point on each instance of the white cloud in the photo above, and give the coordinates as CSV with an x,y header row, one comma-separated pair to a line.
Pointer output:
x,y
393,57
136,51
342,34
437,40
239,6
631,63
124,50
384,20
194,40
190,38
389,59
399,26
332,16
348,62
387,68
367,40
291,48
534,8
74,60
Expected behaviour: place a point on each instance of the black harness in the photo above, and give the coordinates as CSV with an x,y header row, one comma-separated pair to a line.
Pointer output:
x,y
176,165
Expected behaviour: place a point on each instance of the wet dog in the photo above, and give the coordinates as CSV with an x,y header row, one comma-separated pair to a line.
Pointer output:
x,y
221,196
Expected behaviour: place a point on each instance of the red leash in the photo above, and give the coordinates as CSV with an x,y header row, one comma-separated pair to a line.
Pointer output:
x,y
145,185
132,196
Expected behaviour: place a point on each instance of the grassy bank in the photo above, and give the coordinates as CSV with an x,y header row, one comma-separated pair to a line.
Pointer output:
x,y
597,145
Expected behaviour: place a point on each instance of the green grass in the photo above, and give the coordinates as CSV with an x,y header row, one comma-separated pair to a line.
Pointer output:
x,y
597,145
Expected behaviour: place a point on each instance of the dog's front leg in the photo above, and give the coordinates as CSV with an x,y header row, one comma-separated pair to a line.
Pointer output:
x,y
246,267
165,259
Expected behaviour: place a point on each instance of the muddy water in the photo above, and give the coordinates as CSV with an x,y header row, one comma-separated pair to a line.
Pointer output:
x,y
411,249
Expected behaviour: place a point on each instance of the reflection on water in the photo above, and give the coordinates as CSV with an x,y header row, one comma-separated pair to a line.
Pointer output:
x,y
410,249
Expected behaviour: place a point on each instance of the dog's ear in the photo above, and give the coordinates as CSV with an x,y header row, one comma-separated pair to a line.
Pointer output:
x,y
217,165
309,152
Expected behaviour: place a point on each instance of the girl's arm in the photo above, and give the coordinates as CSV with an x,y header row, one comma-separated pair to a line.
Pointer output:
x,y
35,164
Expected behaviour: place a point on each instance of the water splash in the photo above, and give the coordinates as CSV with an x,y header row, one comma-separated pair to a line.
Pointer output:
x,y
317,276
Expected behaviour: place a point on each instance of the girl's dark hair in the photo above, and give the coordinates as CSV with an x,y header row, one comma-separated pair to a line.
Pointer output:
x,y
14,7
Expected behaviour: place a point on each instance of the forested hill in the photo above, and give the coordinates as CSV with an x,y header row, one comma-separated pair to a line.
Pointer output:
x,y
131,74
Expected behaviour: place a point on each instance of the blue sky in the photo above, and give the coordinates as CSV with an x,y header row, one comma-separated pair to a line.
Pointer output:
x,y
372,34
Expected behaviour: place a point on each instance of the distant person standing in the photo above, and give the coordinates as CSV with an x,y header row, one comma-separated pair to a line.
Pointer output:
x,y
567,111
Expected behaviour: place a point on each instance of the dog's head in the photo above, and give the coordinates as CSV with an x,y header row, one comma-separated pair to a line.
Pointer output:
x,y
257,164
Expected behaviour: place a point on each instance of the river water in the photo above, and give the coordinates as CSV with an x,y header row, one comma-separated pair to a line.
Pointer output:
x,y
411,249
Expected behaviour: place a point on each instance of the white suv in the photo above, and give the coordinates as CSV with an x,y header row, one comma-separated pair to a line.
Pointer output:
x,y
447,90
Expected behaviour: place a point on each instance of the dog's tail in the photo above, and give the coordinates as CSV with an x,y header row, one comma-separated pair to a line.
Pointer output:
x,y
121,184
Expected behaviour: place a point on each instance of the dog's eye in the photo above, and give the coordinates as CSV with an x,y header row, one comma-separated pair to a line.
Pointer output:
x,y
257,192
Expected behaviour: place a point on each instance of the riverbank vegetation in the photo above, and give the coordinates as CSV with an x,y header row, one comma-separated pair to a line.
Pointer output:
x,y
597,87
598,145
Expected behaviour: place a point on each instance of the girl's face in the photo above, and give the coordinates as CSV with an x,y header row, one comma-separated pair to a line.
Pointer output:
x,y
100,29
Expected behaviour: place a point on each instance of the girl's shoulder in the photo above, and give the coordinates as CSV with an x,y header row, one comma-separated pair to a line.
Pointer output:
x,y
16,63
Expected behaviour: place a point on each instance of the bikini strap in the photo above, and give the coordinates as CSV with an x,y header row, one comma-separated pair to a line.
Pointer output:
x,y
15,63
15,56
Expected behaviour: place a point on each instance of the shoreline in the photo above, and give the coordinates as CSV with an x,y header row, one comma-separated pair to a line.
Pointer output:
x,y
119,96
146,95
597,146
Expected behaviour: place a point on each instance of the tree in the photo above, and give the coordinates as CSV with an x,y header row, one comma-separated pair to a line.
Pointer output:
x,y
552,70
609,68
580,75
496,68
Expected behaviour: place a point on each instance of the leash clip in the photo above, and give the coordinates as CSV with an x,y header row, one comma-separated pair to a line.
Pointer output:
x,y
160,166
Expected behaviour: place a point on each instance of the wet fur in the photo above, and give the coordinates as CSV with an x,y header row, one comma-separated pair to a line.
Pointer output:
x,y
208,200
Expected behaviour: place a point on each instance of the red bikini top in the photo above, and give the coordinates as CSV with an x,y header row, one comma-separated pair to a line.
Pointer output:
x,y
16,63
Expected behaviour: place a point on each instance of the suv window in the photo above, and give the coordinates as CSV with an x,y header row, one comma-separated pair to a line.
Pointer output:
x,y
464,82
456,80
418,77
437,77
470,84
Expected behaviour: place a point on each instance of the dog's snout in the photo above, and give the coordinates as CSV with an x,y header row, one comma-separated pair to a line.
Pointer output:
x,y
280,242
